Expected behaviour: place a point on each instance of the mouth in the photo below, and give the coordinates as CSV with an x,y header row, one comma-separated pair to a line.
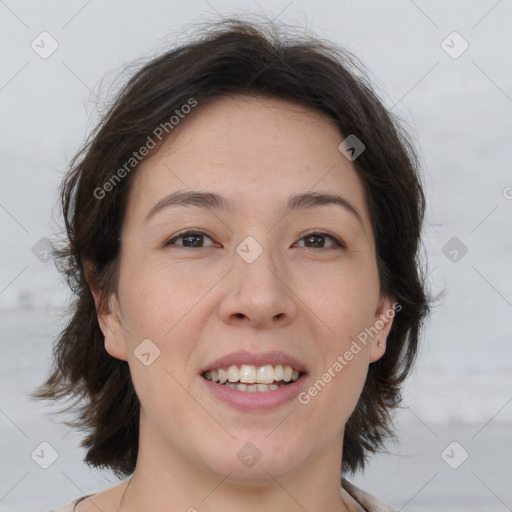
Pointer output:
x,y
254,379
255,382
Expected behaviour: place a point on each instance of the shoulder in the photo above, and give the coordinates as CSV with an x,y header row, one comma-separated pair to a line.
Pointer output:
x,y
367,501
69,507
103,500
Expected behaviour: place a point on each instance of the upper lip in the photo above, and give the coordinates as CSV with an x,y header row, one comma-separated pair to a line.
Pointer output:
x,y
256,359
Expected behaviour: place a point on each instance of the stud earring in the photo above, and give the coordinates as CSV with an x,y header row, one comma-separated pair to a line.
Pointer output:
x,y
379,343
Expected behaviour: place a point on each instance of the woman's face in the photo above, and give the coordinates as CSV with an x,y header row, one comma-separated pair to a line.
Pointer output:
x,y
266,277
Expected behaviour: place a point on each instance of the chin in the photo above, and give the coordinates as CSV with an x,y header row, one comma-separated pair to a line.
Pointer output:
x,y
253,459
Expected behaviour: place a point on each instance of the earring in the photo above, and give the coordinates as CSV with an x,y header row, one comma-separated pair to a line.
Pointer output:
x,y
379,343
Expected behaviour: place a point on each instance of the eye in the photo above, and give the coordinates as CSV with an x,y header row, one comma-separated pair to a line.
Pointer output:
x,y
316,240
191,239
195,239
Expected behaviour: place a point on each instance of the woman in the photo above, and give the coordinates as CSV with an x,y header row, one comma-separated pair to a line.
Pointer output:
x,y
243,232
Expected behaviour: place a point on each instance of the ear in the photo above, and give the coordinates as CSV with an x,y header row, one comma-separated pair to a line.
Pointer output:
x,y
382,323
109,317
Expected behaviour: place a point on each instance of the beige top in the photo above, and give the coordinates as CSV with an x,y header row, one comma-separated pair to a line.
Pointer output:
x,y
356,500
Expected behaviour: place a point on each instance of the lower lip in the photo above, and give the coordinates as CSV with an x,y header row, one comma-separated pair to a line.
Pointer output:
x,y
259,400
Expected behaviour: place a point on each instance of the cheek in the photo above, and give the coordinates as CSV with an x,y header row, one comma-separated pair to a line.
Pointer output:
x,y
345,310
160,320
343,304
155,302
334,391
348,283
347,357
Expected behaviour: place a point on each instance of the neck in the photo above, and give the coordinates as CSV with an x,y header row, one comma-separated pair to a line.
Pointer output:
x,y
167,481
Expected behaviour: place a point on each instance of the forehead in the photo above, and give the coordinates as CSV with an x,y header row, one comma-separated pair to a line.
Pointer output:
x,y
256,151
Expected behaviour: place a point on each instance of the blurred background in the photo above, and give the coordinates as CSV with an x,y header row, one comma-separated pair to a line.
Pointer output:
x,y
443,67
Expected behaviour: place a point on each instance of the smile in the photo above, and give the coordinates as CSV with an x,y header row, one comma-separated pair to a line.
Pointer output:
x,y
252,379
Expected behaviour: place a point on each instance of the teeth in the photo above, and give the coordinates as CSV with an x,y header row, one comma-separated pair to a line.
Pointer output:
x,y
248,374
223,375
252,388
233,373
237,377
265,374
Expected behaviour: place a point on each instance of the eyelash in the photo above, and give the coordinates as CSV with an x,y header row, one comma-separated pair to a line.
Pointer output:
x,y
337,243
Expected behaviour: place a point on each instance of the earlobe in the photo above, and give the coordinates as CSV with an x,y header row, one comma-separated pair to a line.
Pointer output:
x,y
382,323
110,323
109,318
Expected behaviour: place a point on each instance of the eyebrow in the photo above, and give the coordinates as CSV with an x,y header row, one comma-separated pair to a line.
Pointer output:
x,y
213,201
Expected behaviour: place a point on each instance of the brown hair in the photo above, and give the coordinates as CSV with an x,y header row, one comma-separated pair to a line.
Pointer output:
x,y
231,57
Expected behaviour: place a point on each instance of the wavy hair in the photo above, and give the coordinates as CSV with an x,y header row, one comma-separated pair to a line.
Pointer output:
x,y
232,57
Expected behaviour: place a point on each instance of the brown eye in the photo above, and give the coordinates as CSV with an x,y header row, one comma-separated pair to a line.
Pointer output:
x,y
317,240
190,239
196,239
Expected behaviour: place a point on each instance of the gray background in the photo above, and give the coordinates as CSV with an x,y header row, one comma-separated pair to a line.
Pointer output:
x,y
459,109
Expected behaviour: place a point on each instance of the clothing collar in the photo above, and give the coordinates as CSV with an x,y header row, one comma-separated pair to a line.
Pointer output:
x,y
360,501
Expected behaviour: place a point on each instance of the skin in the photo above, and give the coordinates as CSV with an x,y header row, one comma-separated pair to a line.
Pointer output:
x,y
197,304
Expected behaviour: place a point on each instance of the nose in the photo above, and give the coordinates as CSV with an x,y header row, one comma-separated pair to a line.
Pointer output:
x,y
258,294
